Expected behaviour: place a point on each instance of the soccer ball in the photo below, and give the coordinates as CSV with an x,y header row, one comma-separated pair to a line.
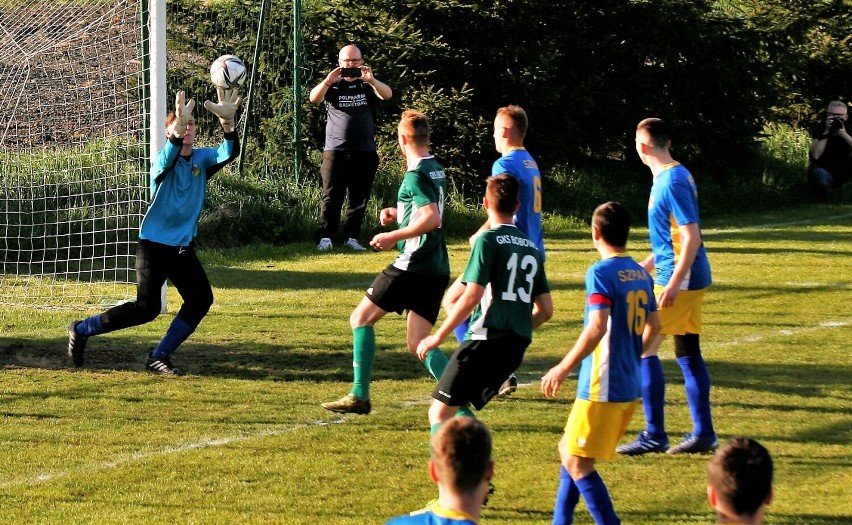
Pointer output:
x,y
228,72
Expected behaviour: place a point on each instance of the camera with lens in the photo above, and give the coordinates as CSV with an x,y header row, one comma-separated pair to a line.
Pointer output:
x,y
835,123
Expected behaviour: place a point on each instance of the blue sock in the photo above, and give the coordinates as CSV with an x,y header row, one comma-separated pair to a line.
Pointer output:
x,y
90,326
653,396
567,496
461,330
177,333
697,384
597,499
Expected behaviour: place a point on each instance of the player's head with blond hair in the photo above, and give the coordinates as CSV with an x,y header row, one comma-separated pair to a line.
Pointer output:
x,y
740,481
414,126
513,118
461,455
657,132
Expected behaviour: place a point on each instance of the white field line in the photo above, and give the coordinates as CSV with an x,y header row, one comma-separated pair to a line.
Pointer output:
x,y
209,443
769,226
756,338
782,333
138,456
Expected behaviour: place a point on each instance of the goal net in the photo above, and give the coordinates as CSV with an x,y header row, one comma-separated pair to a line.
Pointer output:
x,y
73,151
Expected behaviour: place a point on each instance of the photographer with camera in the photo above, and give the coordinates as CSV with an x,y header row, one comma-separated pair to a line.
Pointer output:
x,y
349,160
831,151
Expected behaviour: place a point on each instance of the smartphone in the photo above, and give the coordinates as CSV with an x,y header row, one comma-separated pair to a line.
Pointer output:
x,y
351,72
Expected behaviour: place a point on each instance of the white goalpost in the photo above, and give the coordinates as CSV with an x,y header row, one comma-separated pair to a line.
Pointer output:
x,y
74,148
83,99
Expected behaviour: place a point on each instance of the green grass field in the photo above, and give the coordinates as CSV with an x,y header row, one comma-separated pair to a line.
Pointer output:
x,y
242,438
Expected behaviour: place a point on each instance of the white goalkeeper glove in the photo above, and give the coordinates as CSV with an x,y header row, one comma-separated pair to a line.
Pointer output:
x,y
183,114
226,108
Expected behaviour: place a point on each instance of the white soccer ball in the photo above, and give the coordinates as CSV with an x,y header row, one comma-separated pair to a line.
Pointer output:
x,y
228,72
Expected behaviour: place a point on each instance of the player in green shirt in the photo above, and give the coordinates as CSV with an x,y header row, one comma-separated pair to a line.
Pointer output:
x,y
506,296
416,280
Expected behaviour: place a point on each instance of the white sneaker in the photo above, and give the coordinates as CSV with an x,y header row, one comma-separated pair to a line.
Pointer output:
x,y
324,244
353,244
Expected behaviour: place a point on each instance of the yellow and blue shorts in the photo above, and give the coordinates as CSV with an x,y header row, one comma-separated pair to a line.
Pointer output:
x,y
684,317
594,428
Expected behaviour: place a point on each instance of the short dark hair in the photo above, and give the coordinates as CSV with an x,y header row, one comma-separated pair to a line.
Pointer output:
x,y
461,452
657,130
415,126
613,221
518,116
502,191
741,474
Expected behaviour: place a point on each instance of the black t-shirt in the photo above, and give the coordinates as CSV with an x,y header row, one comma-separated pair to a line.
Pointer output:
x,y
351,116
837,157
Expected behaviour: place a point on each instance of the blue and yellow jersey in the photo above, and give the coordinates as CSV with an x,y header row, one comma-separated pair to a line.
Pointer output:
x,y
611,372
520,164
674,203
436,515
178,189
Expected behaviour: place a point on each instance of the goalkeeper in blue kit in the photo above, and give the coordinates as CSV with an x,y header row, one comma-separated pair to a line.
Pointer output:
x,y
166,249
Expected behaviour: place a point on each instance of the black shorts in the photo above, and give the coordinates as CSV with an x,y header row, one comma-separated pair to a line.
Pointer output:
x,y
477,369
396,290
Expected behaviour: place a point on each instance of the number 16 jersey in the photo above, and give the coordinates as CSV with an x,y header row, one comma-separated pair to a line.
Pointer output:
x,y
611,372
511,268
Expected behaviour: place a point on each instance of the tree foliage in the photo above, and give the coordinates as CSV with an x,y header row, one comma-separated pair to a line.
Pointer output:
x,y
585,71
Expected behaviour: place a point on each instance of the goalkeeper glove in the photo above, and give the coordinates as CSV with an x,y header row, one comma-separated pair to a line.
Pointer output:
x,y
226,108
183,114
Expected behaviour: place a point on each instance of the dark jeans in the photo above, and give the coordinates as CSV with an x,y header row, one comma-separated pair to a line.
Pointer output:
x,y
154,264
346,174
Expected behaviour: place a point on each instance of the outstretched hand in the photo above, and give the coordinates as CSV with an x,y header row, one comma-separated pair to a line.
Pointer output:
x,y
183,114
552,380
226,107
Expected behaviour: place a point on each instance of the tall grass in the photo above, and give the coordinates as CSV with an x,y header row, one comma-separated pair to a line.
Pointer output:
x,y
277,208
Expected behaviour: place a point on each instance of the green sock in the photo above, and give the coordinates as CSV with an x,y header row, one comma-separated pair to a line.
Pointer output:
x,y
363,356
465,411
435,362
434,428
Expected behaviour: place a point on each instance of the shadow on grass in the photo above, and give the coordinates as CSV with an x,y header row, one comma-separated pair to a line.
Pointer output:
x,y
332,362
279,280
788,385
249,361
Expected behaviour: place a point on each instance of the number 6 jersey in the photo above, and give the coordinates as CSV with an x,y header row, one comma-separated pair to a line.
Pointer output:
x,y
511,268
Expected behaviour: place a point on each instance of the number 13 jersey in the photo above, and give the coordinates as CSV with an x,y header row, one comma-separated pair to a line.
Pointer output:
x,y
511,268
